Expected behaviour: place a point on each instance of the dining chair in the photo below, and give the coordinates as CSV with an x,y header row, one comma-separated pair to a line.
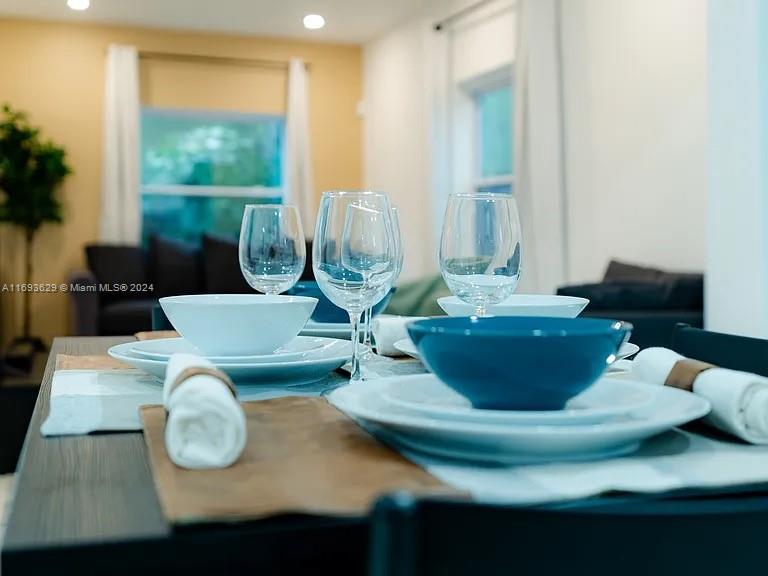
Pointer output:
x,y
724,350
718,535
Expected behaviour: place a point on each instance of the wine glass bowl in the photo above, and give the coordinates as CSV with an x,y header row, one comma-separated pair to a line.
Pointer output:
x,y
353,254
366,244
480,248
272,251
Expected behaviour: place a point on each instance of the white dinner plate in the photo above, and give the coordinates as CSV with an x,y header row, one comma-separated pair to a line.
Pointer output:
x,y
297,349
340,330
407,347
292,372
549,305
608,398
515,444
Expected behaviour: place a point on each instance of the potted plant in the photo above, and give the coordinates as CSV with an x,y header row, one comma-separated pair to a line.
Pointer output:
x,y
31,169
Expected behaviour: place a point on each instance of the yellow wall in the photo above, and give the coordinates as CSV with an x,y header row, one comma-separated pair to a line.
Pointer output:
x,y
55,72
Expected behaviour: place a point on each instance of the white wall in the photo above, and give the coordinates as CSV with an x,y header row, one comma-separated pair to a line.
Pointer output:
x,y
396,154
406,81
737,263
636,154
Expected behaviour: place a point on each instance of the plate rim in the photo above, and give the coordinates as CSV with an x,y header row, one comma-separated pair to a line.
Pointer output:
x,y
698,408
117,352
239,359
577,417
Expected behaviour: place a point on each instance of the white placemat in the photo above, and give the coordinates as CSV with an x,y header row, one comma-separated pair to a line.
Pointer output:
x,y
674,460
85,401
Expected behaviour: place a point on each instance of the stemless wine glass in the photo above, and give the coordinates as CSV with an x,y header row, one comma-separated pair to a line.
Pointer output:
x,y
480,248
272,249
352,255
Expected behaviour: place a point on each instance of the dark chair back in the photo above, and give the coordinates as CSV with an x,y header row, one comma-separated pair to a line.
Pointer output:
x,y
433,537
724,350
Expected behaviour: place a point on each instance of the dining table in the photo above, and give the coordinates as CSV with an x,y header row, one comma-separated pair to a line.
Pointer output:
x,y
88,505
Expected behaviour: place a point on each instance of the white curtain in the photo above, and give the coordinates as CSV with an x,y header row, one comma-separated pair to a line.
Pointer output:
x,y
297,161
539,141
120,195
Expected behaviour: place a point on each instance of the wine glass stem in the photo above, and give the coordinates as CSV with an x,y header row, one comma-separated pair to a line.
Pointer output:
x,y
354,320
480,310
367,328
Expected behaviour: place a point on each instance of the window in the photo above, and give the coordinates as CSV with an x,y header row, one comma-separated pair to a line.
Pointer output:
x,y
494,139
199,169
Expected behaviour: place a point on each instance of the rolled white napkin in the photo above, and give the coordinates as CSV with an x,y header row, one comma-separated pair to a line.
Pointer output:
x,y
206,424
389,329
739,399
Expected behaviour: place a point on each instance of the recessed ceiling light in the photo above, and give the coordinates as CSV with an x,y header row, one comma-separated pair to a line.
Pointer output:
x,y
313,21
79,4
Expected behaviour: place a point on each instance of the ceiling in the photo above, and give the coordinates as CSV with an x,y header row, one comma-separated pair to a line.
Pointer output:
x,y
352,21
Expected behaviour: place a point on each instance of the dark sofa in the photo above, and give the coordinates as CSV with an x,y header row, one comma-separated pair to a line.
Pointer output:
x,y
117,293
653,300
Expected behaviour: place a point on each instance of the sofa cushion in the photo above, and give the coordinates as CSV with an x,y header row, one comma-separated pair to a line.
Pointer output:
x,y
175,267
621,296
126,317
117,265
623,272
686,291
221,267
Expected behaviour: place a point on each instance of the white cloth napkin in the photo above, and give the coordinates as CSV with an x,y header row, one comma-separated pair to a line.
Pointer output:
x,y
85,401
389,329
206,423
739,399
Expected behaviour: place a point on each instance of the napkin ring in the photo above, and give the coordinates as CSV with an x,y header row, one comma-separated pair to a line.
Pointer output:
x,y
685,372
202,371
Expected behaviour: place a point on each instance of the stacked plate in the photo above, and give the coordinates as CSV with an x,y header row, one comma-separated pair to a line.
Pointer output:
x,y
339,330
304,359
610,418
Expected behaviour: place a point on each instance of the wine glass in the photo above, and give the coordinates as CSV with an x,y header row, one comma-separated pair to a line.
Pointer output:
x,y
272,250
480,248
352,255
397,242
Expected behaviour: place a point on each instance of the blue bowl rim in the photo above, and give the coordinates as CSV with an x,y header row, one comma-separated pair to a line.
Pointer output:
x,y
473,326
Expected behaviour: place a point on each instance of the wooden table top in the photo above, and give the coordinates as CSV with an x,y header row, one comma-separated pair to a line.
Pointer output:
x,y
87,504
81,489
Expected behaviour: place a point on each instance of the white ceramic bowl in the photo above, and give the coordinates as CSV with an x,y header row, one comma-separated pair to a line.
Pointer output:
x,y
238,324
521,305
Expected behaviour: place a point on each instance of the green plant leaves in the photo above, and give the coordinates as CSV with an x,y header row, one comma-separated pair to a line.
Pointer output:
x,y
31,169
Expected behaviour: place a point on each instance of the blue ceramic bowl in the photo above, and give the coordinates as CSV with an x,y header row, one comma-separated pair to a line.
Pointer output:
x,y
518,363
326,311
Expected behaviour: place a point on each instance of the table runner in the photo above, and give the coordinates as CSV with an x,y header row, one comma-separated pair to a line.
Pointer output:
x,y
66,362
156,334
302,456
